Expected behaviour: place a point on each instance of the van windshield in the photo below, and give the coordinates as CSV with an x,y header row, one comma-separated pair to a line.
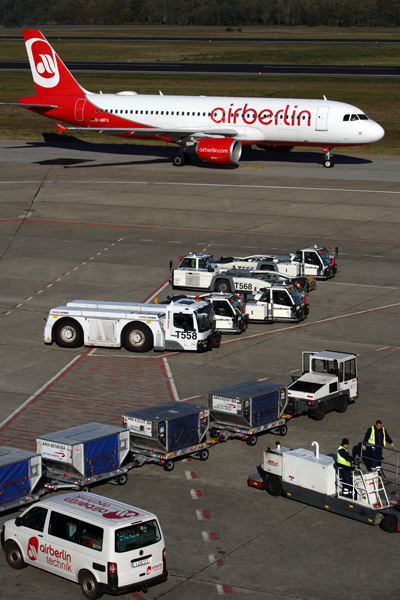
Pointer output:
x,y
137,536
205,317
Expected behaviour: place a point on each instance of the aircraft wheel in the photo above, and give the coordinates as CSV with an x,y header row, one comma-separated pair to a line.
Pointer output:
x,y
329,163
179,160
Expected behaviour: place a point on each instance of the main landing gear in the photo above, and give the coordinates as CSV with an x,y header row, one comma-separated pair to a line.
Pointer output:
x,y
181,159
328,162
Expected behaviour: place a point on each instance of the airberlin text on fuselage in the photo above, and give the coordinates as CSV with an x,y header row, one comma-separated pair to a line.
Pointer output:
x,y
286,116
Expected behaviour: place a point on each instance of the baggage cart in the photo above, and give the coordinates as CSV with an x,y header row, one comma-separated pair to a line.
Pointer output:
x,y
167,432
244,410
20,478
77,458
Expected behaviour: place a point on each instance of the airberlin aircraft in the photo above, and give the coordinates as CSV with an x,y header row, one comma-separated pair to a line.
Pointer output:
x,y
214,128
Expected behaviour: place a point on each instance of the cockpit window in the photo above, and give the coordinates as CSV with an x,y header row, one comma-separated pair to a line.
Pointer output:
x,y
346,117
363,117
353,118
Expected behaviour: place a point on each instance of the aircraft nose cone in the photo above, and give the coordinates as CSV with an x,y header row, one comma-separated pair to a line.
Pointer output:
x,y
376,132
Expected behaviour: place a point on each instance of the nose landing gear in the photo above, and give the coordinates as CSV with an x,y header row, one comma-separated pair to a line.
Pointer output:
x,y
328,162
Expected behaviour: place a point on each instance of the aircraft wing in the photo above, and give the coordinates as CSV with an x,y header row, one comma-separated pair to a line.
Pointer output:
x,y
48,106
173,134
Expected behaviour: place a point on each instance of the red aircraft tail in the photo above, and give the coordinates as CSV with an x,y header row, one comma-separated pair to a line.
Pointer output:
x,y
49,73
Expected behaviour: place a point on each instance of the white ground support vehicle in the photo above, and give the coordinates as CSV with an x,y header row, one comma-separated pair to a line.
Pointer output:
x,y
329,382
201,272
102,544
313,261
181,325
313,478
279,302
229,311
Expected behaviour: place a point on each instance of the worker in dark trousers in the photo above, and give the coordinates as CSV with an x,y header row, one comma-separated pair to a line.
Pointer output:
x,y
345,461
376,437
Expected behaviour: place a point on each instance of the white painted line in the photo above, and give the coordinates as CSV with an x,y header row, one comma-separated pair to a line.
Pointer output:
x,y
18,305
322,321
7,312
216,185
17,410
191,398
171,380
386,348
38,291
29,298
160,289
172,242
381,287
146,240
92,351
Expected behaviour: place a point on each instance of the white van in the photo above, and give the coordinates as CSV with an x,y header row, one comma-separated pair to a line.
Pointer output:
x,y
105,545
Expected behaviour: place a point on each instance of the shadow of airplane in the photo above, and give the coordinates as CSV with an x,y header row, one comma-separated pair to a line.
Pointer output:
x,y
162,153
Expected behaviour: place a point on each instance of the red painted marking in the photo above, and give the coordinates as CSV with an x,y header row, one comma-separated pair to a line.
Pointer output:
x,y
213,536
193,475
199,494
220,563
206,514
137,596
227,589
19,413
189,459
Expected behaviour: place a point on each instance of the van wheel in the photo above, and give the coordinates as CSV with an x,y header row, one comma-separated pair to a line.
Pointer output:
x,y
222,286
89,586
14,555
341,404
137,338
168,465
122,479
68,333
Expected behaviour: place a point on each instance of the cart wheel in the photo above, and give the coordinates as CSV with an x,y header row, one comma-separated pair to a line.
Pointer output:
x,y
14,555
85,488
213,433
341,404
122,479
319,413
283,430
273,485
89,586
251,440
204,454
389,524
168,465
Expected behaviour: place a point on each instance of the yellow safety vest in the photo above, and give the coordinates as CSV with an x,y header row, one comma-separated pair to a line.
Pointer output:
x,y
340,460
372,436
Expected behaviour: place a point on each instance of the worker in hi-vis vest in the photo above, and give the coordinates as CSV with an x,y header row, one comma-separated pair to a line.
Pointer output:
x,y
344,460
376,437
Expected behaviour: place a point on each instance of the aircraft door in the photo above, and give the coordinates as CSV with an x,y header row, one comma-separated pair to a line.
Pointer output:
x,y
79,106
322,118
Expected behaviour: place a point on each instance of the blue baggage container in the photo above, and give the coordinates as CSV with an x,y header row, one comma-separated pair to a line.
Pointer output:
x,y
20,473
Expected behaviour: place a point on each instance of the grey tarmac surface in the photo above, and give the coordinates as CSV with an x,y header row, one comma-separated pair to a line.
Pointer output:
x,y
103,222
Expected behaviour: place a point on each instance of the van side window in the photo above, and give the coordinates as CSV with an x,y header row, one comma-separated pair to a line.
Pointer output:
x,y
350,369
137,536
35,518
90,536
63,526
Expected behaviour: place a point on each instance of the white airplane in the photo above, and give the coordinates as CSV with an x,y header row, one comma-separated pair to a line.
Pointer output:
x,y
214,128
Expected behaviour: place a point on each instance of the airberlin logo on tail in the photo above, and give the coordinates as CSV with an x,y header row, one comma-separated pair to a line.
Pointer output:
x,y
43,61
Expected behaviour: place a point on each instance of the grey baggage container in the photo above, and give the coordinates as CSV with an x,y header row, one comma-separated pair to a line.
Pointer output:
x,y
85,451
249,404
167,428
20,475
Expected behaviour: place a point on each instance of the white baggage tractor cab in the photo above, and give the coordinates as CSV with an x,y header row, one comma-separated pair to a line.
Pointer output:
x,y
102,544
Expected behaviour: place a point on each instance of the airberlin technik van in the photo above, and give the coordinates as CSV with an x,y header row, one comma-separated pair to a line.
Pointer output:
x,y
102,544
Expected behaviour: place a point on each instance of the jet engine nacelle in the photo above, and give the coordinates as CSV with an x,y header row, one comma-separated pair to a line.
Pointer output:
x,y
221,150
